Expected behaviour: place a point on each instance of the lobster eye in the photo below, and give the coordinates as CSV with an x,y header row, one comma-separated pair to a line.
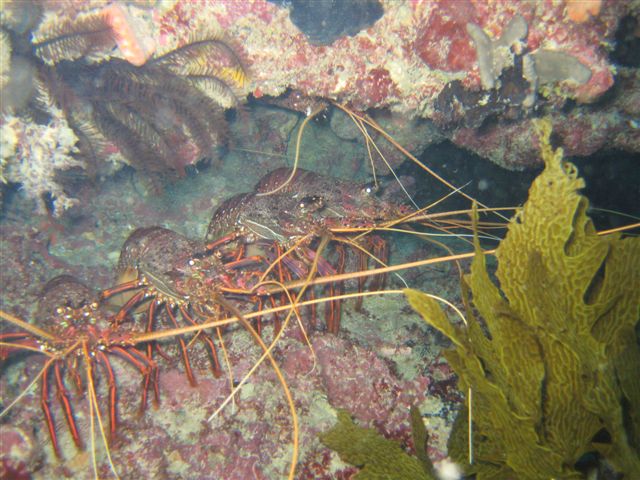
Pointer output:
x,y
311,202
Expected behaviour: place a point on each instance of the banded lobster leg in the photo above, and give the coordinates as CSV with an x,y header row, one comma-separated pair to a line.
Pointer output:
x,y
139,361
241,276
286,267
379,249
333,313
284,275
63,398
120,317
139,297
60,367
173,306
155,375
183,346
206,339
213,353
17,341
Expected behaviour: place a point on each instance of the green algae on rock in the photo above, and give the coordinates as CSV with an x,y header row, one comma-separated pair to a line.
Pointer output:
x,y
553,365
376,456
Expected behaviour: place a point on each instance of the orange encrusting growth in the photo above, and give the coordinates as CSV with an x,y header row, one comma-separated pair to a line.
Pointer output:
x,y
131,46
581,10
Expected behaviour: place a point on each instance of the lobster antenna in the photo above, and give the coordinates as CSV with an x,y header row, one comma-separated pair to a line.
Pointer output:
x,y
29,328
294,304
379,261
28,387
93,404
297,157
267,353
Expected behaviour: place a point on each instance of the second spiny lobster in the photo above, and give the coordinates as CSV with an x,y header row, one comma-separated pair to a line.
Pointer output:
x,y
288,223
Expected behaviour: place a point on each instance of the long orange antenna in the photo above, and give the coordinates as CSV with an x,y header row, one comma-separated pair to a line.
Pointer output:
x,y
38,332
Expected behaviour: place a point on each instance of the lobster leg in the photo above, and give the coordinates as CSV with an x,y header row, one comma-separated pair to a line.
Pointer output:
x,y
283,277
135,357
221,241
111,380
183,348
146,367
243,262
240,252
16,340
312,309
75,376
110,292
217,371
44,402
153,375
122,313
277,323
333,311
363,264
381,251
63,397
258,319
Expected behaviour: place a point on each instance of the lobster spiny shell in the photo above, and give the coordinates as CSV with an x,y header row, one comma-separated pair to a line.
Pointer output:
x,y
65,290
165,258
157,249
345,203
278,217
67,302
225,217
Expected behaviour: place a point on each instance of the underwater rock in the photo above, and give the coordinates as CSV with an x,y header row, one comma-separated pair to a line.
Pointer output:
x,y
510,77
627,42
420,46
441,41
17,453
324,21
541,66
512,98
407,60
298,102
495,55
582,131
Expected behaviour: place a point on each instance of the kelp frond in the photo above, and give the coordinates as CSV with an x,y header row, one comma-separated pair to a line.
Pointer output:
x,y
376,456
554,369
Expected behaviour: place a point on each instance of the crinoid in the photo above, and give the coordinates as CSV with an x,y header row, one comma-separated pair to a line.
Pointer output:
x,y
160,113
